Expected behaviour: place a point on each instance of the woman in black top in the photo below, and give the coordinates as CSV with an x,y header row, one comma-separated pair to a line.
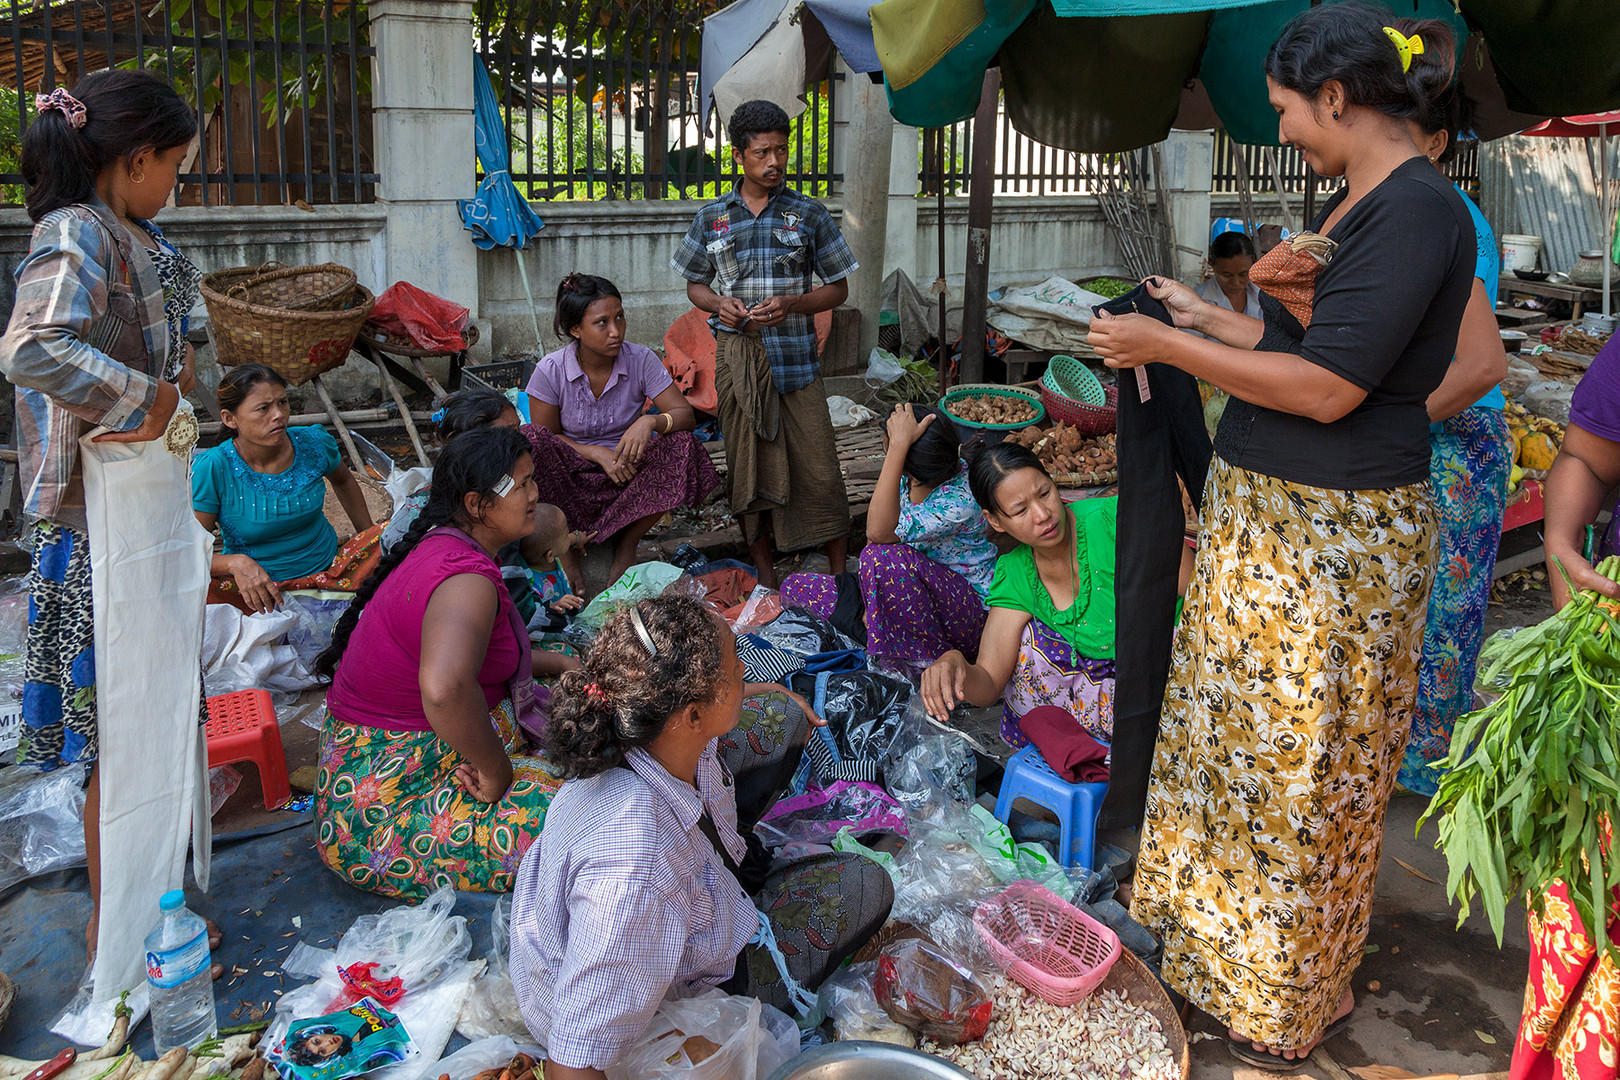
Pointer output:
x,y
1295,664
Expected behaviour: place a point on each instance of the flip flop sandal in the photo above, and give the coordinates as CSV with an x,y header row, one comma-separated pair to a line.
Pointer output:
x,y
1245,1052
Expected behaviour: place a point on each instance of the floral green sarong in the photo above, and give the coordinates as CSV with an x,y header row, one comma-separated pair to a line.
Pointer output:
x,y
391,819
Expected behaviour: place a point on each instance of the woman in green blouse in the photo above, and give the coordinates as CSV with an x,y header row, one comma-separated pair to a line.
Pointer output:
x,y
1049,636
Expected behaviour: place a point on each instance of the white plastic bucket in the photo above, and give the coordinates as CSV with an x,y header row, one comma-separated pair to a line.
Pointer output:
x,y
1519,252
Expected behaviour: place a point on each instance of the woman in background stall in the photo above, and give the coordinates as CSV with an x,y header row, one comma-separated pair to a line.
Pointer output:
x,y
1470,457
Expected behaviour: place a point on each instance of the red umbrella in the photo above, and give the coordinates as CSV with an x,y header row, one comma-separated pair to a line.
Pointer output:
x,y
1584,127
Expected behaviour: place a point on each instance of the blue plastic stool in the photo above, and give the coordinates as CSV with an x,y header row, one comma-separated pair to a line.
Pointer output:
x,y
1029,777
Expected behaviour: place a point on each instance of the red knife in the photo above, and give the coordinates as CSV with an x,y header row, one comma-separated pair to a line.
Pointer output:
x,y
55,1065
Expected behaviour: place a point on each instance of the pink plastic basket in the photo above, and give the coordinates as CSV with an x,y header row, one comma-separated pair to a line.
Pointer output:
x,y
1051,948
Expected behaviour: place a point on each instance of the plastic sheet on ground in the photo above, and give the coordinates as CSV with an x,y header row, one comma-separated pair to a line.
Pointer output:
x,y
738,1038
424,948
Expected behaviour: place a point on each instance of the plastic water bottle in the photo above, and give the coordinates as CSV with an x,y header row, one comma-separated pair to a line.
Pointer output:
x,y
177,972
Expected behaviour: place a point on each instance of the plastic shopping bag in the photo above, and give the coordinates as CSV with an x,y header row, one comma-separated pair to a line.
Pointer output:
x,y
414,961
713,1036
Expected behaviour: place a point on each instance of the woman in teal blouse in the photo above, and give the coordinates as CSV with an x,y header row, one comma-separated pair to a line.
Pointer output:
x,y
1049,635
266,490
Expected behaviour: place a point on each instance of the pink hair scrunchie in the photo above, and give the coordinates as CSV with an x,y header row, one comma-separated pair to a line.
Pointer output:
x,y
59,98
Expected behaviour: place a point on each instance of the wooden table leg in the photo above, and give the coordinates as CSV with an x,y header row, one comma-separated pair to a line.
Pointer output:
x,y
342,429
404,411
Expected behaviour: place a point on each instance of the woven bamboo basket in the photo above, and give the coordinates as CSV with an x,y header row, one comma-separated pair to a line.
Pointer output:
x,y
297,345
326,287
8,995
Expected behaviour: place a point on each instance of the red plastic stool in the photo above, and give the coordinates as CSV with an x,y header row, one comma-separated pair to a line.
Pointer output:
x,y
242,727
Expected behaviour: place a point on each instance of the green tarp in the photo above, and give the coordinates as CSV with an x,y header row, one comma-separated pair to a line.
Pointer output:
x,y
1100,76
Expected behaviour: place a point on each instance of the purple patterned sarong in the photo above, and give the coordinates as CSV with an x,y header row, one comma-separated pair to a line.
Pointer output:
x,y
916,609
1049,673
675,472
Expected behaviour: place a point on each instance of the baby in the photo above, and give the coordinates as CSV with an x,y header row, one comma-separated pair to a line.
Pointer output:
x,y
542,550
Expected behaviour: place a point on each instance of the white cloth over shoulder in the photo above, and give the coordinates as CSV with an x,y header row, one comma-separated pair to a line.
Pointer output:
x,y
149,573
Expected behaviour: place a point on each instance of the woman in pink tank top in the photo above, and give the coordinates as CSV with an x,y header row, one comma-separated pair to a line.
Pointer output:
x,y
424,778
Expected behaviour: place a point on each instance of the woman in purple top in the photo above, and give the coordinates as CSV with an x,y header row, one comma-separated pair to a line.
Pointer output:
x,y
613,469
1586,470
424,776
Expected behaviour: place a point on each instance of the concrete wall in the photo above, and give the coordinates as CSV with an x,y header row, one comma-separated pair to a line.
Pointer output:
x,y
221,236
630,243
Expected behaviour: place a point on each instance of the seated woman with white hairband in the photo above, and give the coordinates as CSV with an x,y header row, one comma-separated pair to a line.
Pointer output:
x,y
424,776
641,884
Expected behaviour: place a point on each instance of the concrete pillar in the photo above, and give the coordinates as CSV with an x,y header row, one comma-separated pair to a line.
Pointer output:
x,y
1189,173
900,245
865,141
422,105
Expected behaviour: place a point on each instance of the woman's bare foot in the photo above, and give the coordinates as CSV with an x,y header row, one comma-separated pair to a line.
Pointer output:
x,y
1346,1004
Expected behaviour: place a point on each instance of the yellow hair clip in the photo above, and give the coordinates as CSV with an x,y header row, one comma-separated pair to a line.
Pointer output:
x,y
1408,47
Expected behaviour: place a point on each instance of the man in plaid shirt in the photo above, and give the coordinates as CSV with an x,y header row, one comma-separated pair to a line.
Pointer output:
x,y
748,260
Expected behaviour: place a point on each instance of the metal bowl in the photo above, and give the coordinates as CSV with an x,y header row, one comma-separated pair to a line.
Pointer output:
x,y
868,1061
1531,275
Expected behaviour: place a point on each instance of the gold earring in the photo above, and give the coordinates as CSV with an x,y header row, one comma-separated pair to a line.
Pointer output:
x,y
141,179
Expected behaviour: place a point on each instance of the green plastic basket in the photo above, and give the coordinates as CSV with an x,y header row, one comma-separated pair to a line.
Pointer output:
x,y
965,390
1067,377
1072,395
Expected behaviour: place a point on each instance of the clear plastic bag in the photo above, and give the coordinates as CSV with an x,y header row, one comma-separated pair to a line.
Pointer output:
x,y
493,1052
13,635
318,614
862,710
926,764
762,606
882,368
932,993
712,1036
850,1004
491,1008
819,815
416,956
799,630
41,822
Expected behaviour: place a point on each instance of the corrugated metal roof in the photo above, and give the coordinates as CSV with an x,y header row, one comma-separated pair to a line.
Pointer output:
x,y
1544,187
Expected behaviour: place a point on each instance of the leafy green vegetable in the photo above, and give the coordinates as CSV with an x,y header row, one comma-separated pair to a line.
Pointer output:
x,y
1532,787
1109,286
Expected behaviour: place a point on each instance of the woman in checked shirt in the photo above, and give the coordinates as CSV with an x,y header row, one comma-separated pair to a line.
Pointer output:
x,y
633,889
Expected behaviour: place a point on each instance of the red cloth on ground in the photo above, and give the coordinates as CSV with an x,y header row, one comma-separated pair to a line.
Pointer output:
x,y
1067,747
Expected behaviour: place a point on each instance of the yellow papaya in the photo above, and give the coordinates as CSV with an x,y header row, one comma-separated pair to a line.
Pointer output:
x,y
1537,451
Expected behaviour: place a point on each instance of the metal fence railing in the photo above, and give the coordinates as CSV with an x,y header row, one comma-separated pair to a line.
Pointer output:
x,y
1027,167
600,101
1023,166
1463,169
282,87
